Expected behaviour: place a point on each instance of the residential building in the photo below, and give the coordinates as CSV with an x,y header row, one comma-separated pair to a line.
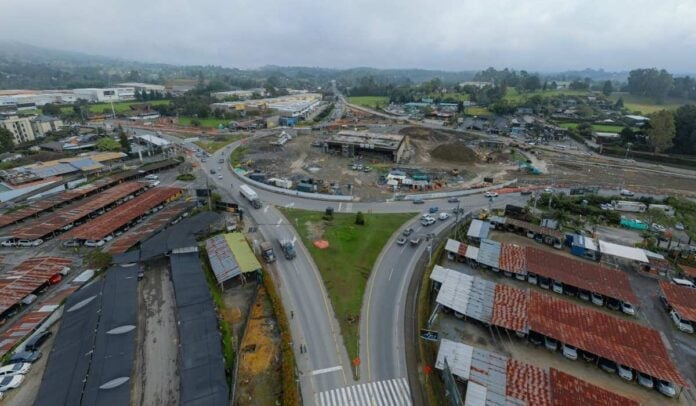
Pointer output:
x,y
45,124
20,127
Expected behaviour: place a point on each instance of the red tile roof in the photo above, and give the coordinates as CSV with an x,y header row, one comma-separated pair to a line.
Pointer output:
x,y
122,215
151,225
690,271
628,343
513,258
567,390
581,274
510,308
62,217
527,383
26,277
681,298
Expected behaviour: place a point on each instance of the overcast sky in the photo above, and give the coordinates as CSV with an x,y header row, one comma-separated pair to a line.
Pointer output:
x,y
444,34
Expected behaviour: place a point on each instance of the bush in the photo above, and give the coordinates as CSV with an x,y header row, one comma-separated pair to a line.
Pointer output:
x,y
360,219
98,260
186,177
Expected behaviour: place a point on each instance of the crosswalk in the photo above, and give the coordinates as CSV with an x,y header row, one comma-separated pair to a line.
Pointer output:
x,y
391,392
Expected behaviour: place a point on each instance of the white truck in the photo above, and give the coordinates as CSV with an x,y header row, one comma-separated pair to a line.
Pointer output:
x,y
251,196
623,205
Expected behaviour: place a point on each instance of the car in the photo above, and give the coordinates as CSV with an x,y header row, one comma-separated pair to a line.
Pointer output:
x,y
613,304
407,232
607,365
94,243
108,238
36,341
588,356
645,380
433,209
550,344
665,303
557,287
10,382
532,279
544,283
535,338
525,192
443,216
26,356
220,176
628,308
597,299
584,295
682,324
666,388
155,183
548,190
152,177
679,226
570,352
520,276
626,192
658,228
418,201
9,243
490,194
427,222
19,368
415,241
24,243
625,372
212,171
401,241
452,200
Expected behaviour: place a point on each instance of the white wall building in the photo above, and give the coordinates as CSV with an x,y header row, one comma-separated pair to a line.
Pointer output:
x,y
113,94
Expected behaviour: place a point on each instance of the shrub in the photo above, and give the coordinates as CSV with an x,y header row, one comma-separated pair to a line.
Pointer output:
x,y
360,219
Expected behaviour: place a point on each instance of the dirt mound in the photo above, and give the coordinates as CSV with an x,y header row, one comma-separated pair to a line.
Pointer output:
x,y
456,152
425,134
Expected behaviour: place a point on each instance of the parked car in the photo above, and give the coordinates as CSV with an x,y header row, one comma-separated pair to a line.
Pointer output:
x,y
645,380
625,372
400,241
434,209
525,192
407,232
666,388
10,382
557,287
452,200
658,228
588,356
679,226
628,308
490,194
26,356
597,299
613,304
550,344
544,283
428,221
9,243
71,243
94,243
548,190
682,324
584,295
532,279
626,192
19,368
35,342
535,339
607,365
570,352
418,201
665,303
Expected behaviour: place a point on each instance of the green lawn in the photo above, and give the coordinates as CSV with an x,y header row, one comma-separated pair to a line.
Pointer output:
x,y
346,265
369,101
512,95
645,105
214,143
205,122
119,107
606,128
477,111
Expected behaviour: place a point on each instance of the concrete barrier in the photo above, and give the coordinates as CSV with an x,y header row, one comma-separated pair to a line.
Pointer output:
x,y
458,193
289,192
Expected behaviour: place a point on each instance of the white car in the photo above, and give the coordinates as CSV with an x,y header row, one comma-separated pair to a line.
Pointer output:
x,y
557,287
219,176
490,194
10,382
628,308
626,192
666,388
683,325
19,368
155,183
9,243
570,352
94,243
679,226
597,299
443,216
645,380
548,190
625,372
532,279
428,221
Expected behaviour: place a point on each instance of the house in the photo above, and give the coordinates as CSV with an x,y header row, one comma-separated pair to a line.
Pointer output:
x,y
605,138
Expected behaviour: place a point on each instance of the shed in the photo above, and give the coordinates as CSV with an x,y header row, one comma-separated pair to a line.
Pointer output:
x,y
478,230
489,254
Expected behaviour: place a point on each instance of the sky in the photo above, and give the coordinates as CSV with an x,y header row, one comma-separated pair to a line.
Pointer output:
x,y
536,35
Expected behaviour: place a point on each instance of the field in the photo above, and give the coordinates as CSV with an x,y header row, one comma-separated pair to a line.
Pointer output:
x,y
119,107
212,144
205,122
369,101
512,95
597,127
645,105
346,265
477,111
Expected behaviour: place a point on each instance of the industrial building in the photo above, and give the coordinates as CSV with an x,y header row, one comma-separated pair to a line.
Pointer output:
x,y
142,87
242,94
352,143
101,95
298,105
85,164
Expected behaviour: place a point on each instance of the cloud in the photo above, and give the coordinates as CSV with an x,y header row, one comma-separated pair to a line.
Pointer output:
x,y
455,35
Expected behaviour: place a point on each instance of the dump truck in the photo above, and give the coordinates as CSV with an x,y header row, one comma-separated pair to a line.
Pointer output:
x,y
267,252
288,248
250,195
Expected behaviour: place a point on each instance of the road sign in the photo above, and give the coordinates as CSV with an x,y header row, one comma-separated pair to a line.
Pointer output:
x,y
429,335
356,362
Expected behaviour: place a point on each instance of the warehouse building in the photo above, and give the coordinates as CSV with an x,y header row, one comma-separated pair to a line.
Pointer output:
x,y
352,143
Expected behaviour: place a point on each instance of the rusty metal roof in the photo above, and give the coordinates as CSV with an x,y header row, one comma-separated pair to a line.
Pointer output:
x,y
533,227
581,274
690,271
149,227
65,216
510,308
122,215
625,342
567,390
527,383
513,258
681,298
26,277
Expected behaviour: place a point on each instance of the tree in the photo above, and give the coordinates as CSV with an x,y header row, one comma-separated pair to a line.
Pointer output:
x,y
619,105
660,130
108,144
608,88
51,109
6,140
651,83
685,129
585,130
360,219
123,140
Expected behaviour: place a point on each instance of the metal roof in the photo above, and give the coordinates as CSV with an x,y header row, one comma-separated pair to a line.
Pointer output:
x,y
681,298
566,389
622,251
28,276
469,295
580,274
478,229
625,342
513,258
456,247
122,215
489,253
458,357
243,254
225,267
510,308
472,252
534,227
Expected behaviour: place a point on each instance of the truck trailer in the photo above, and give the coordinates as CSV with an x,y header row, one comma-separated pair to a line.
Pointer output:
x,y
628,206
251,196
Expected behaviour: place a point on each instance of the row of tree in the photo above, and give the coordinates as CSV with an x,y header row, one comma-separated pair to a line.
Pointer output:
x,y
659,84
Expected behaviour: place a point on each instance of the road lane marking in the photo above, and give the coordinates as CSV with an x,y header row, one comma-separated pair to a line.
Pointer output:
x,y
391,272
386,392
339,206
279,222
289,205
265,209
326,370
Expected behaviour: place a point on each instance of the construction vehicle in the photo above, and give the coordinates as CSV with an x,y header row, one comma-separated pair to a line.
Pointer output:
x,y
288,248
267,252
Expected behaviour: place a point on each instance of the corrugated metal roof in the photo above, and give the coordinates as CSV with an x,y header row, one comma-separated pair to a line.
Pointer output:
x,y
26,277
625,342
533,227
150,226
455,290
439,273
527,383
242,252
472,252
622,251
489,253
681,298
480,304
581,274
452,246
510,308
478,229
475,395
569,390
225,267
513,259
458,357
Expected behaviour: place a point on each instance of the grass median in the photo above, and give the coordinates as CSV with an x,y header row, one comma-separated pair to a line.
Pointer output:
x,y
346,264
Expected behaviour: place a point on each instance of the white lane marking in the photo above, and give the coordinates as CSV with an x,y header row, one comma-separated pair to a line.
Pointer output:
x,y
289,205
279,222
265,209
326,370
339,206
294,239
391,272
